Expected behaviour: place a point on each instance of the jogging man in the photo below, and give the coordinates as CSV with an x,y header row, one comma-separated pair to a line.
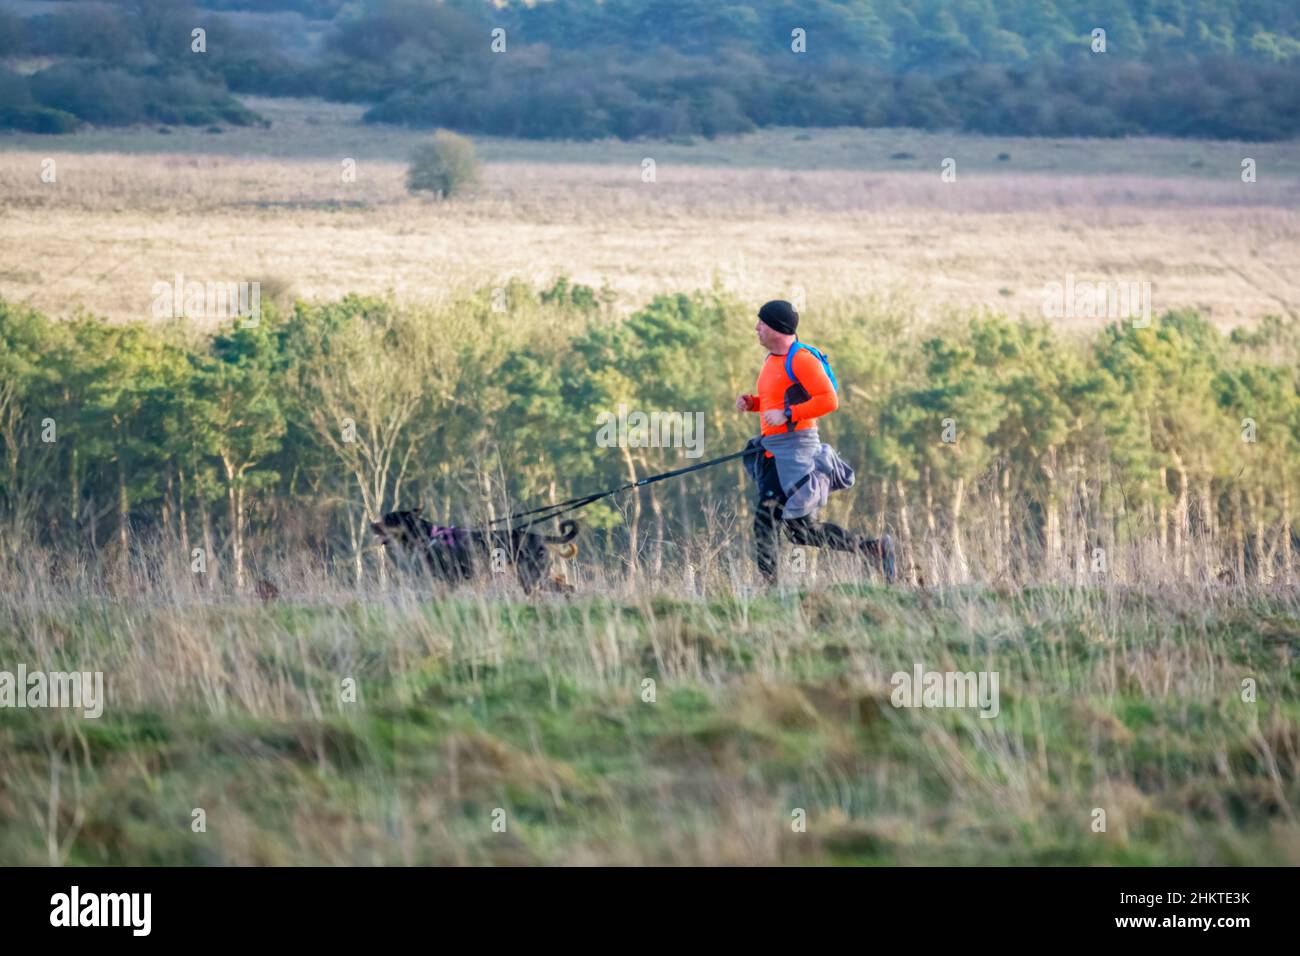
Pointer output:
x,y
795,471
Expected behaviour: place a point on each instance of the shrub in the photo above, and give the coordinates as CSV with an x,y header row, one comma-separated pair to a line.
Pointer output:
x,y
116,96
562,292
37,119
445,165
107,97
18,111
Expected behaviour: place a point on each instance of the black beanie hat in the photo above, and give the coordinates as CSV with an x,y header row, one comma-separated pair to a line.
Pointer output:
x,y
779,315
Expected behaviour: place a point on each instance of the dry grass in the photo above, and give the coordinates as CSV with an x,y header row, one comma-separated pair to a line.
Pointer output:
x,y
116,223
1110,697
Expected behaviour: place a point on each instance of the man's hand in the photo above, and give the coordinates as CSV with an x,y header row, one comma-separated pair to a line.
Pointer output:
x,y
774,416
742,403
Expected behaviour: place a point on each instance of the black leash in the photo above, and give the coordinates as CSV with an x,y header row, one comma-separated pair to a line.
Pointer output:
x,y
573,504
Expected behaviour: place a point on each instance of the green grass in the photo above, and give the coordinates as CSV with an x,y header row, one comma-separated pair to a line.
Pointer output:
x,y
1122,701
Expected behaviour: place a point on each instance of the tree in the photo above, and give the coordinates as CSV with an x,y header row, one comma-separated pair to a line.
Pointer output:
x,y
944,422
371,378
125,369
233,414
445,165
29,396
1039,381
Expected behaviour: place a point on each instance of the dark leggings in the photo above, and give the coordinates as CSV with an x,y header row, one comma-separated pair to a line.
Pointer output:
x,y
802,531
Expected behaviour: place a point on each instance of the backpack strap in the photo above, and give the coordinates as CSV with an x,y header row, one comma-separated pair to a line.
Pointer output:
x,y
795,346
789,359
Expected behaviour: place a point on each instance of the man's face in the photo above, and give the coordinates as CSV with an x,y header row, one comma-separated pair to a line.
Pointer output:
x,y
766,335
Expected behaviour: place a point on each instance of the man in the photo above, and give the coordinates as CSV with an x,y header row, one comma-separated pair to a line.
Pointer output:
x,y
794,469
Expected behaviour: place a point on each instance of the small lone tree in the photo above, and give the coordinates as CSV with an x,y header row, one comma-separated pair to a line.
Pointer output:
x,y
445,165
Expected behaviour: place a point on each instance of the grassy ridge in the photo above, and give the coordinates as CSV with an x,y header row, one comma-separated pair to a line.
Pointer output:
x,y
1122,700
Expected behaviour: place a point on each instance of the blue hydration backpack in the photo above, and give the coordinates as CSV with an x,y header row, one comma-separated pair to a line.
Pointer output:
x,y
821,357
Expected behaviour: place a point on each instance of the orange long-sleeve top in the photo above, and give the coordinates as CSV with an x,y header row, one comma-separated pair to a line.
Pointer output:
x,y
773,384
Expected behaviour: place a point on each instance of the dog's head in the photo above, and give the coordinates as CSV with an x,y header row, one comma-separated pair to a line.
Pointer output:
x,y
403,528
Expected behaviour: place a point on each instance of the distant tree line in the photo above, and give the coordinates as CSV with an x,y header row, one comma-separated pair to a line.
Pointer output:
x,y
990,448
629,68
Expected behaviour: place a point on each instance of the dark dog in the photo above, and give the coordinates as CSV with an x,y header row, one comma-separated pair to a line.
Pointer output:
x,y
458,554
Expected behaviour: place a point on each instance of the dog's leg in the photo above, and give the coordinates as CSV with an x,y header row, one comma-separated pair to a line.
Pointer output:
x,y
528,573
559,584
530,559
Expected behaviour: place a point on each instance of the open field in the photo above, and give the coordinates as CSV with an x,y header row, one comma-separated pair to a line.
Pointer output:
x,y
666,712
312,129
827,212
1114,699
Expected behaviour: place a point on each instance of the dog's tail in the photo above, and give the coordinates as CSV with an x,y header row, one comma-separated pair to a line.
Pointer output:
x,y
568,531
